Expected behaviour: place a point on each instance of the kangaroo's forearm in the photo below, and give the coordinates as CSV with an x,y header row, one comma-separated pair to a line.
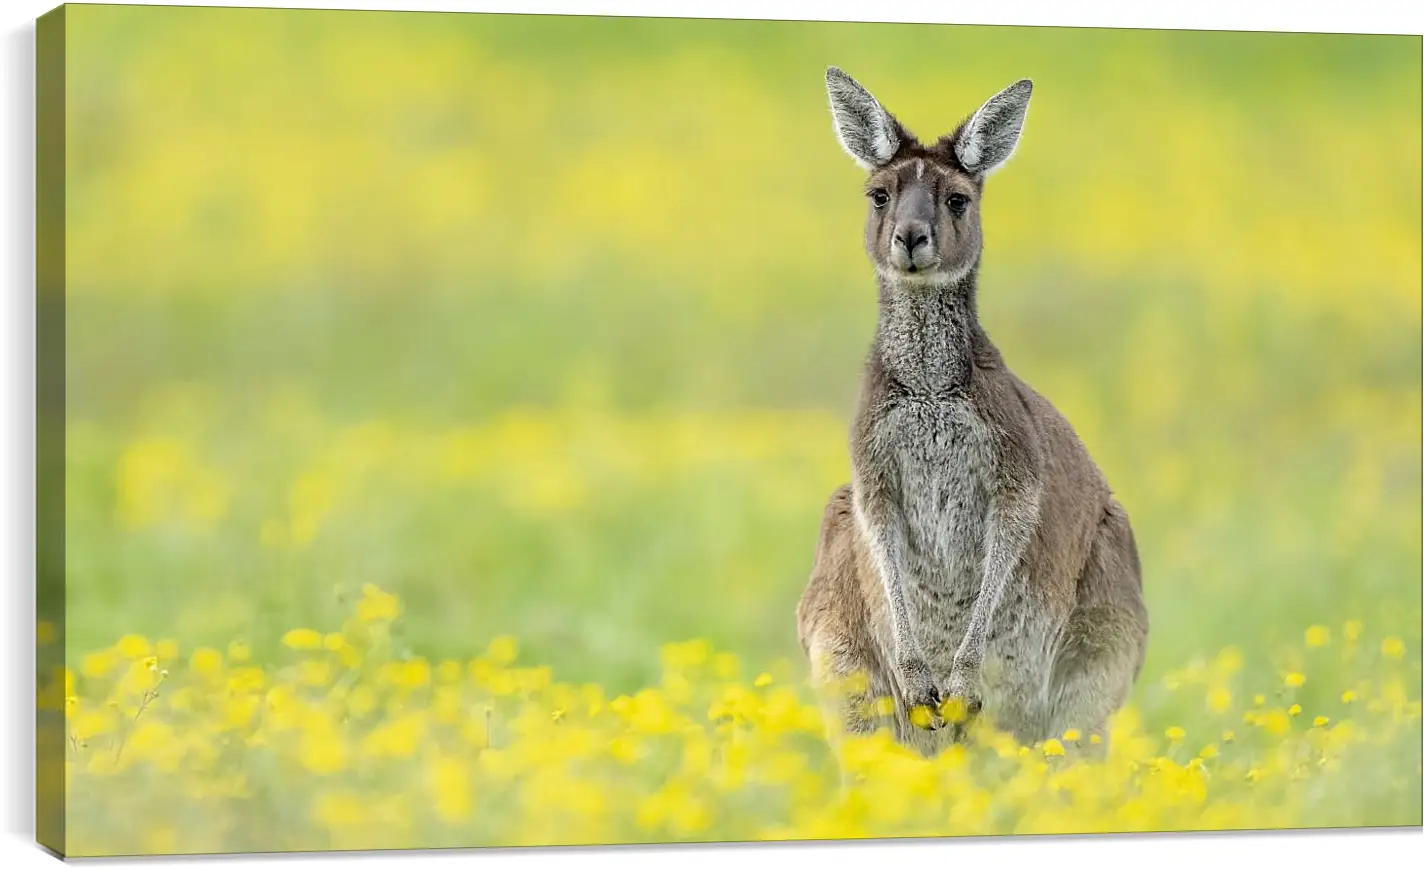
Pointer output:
x,y
1013,514
883,529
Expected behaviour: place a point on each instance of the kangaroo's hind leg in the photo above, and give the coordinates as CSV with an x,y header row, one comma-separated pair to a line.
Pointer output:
x,y
1104,642
832,620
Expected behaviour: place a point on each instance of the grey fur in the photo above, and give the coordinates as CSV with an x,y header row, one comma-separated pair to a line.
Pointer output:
x,y
978,552
991,134
866,131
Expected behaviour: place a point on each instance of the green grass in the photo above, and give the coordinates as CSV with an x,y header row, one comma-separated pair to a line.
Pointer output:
x,y
427,222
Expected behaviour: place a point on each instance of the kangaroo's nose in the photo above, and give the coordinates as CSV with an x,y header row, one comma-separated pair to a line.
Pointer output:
x,y
911,236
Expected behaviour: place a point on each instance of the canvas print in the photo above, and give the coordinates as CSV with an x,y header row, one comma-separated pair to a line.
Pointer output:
x,y
467,430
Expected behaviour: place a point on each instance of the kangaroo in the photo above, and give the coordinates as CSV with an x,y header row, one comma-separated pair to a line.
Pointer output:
x,y
977,563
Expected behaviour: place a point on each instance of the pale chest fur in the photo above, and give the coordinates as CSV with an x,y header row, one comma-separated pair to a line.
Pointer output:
x,y
944,457
944,453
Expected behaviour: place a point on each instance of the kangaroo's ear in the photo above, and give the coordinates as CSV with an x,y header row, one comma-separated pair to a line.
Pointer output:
x,y
867,132
987,139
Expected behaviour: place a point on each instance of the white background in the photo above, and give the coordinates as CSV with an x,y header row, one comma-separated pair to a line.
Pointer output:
x,y
1355,849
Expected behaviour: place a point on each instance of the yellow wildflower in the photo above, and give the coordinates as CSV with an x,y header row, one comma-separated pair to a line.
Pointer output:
x,y
302,638
954,710
376,605
134,646
503,650
1218,699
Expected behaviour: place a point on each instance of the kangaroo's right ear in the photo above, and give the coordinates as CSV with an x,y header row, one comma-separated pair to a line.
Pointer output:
x,y
866,131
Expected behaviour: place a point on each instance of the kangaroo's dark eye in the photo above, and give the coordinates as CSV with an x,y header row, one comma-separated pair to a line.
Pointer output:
x,y
879,197
958,202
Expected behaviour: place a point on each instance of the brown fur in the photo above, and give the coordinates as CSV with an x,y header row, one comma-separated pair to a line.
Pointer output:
x,y
978,553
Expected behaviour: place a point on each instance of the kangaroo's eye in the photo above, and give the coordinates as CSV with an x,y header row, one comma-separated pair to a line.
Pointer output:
x,y
958,202
879,197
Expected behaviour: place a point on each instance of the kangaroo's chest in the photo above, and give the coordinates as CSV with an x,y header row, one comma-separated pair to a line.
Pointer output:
x,y
944,453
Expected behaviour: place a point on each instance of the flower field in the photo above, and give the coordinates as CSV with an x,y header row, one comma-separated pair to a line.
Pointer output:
x,y
338,744
450,403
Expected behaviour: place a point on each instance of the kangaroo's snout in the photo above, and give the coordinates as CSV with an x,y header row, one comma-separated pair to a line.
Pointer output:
x,y
912,247
911,236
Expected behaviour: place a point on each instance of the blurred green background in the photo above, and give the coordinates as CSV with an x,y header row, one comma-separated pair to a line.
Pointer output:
x,y
552,325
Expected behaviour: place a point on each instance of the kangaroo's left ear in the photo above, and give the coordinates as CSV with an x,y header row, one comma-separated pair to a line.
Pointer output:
x,y
987,139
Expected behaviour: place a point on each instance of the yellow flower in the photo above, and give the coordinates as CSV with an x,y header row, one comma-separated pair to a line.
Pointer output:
x,y
503,650
1276,722
414,673
1294,710
450,781
1353,628
1392,648
1321,721
246,680
322,751
1258,700
954,710
1317,636
302,638
1208,751
1176,734
1228,736
1295,679
134,646
334,641
1072,735
166,649
376,605
1229,660
1095,739
397,738
762,681
237,651
1052,747
206,662
1218,699
1347,697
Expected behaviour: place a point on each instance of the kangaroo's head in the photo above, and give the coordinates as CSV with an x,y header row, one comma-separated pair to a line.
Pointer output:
x,y
923,223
